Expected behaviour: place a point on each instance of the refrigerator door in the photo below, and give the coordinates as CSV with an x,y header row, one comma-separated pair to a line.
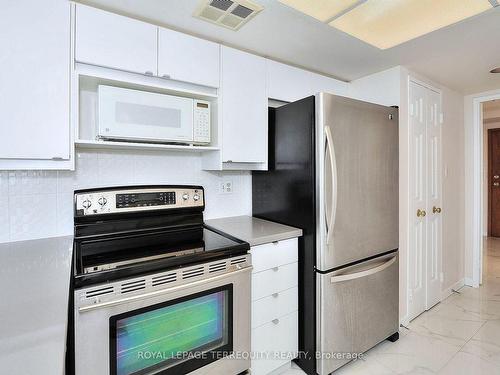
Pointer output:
x,y
357,309
357,161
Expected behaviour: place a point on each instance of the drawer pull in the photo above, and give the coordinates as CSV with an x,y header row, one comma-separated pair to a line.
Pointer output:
x,y
275,295
276,269
275,242
276,321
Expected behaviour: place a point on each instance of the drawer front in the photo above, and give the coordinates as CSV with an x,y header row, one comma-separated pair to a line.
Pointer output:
x,y
275,343
274,254
275,280
277,305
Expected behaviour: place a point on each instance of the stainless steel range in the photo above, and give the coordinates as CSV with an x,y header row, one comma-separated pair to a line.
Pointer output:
x,y
155,291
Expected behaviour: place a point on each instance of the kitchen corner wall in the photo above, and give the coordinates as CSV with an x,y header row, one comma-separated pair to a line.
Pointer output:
x,y
38,204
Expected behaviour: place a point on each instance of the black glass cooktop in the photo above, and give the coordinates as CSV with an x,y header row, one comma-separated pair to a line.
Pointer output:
x,y
123,255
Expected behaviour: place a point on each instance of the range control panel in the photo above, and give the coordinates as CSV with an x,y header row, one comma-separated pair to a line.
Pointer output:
x,y
97,202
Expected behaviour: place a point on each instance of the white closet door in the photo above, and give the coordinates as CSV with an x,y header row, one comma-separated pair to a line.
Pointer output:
x,y
434,199
417,204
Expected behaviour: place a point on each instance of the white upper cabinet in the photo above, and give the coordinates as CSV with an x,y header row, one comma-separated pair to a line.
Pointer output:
x,y
289,84
35,83
112,41
244,107
185,58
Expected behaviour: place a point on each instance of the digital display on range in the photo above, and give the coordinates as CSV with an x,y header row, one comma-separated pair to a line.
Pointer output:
x,y
145,199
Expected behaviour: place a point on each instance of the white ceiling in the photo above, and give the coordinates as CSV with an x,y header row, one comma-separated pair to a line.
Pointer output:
x,y
459,56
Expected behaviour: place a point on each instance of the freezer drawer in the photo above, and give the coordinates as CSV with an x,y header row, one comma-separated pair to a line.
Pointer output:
x,y
358,308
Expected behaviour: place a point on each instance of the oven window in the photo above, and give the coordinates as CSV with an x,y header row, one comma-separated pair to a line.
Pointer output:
x,y
175,337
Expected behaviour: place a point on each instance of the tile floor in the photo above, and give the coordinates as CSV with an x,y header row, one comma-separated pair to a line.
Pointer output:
x,y
459,336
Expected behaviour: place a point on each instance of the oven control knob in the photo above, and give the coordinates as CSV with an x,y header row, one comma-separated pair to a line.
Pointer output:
x,y
102,201
185,196
196,197
86,203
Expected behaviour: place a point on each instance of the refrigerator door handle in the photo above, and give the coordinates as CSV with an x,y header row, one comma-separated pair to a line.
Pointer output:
x,y
332,171
368,272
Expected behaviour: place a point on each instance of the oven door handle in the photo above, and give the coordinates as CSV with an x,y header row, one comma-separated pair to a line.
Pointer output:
x,y
161,291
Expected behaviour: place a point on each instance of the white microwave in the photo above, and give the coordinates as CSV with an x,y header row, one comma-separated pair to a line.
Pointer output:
x,y
133,115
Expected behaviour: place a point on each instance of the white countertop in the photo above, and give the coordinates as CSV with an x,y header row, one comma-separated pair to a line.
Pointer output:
x,y
253,230
34,279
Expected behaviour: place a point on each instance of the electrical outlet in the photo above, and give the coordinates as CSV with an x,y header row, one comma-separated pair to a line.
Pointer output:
x,y
226,187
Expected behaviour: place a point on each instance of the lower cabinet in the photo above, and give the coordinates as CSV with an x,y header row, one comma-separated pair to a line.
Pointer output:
x,y
274,305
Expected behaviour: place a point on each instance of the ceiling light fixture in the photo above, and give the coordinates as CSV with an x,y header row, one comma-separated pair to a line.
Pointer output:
x,y
388,23
496,70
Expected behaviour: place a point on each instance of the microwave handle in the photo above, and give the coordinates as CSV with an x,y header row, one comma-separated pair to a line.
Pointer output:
x,y
160,292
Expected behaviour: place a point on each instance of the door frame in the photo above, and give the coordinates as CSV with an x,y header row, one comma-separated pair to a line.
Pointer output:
x,y
478,161
428,86
490,172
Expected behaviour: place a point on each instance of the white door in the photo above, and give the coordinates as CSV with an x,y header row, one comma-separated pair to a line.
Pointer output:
x,y
434,199
244,107
417,205
425,222
113,41
35,80
185,58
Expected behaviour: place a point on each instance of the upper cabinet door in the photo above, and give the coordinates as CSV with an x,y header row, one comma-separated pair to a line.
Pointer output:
x,y
244,107
35,80
289,84
113,41
185,58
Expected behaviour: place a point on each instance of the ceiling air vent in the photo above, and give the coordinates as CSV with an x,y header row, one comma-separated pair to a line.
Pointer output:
x,y
227,13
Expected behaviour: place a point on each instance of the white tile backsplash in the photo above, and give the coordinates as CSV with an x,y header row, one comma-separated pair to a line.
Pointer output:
x,y
32,216
37,204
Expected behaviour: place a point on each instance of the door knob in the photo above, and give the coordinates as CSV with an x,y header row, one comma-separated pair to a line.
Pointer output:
x,y
421,213
436,210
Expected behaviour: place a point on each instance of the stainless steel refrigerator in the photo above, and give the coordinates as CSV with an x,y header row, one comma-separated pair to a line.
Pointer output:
x,y
333,171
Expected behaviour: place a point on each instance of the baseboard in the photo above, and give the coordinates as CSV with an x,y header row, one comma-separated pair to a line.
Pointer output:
x,y
449,291
404,321
469,282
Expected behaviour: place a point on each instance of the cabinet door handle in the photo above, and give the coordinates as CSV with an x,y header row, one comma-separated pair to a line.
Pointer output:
x,y
436,210
275,295
276,321
275,269
148,73
166,76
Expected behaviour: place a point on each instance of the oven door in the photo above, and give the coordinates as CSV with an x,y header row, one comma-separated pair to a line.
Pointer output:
x,y
194,327
126,114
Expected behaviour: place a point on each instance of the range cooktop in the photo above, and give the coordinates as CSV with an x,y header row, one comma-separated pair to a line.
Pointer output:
x,y
121,232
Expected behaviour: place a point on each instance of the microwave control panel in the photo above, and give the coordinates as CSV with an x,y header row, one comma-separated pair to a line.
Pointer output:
x,y
201,125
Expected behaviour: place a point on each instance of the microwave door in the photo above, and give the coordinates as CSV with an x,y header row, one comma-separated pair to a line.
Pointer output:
x,y
126,114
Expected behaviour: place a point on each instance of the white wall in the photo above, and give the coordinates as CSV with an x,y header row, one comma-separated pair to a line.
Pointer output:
x,y
36,204
381,88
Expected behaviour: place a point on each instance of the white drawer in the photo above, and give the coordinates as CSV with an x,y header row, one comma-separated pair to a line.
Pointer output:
x,y
274,254
276,344
275,280
279,304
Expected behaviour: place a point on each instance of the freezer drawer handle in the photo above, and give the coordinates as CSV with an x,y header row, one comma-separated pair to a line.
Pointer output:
x,y
358,275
